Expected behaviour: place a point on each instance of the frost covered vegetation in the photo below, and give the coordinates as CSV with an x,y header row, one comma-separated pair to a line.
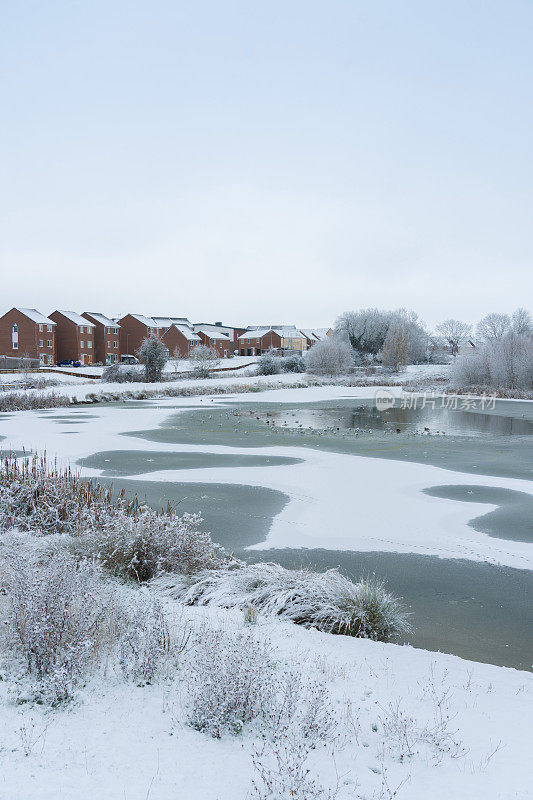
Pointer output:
x,y
271,364
22,401
327,600
502,362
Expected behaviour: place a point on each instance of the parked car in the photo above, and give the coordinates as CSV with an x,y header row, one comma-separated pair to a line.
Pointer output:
x,y
127,359
69,363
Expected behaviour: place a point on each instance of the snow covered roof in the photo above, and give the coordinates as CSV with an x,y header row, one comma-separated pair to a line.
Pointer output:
x,y
166,322
77,319
36,316
103,320
213,334
285,333
148,321
188,333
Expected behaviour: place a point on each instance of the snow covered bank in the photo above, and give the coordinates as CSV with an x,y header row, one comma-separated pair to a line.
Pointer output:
x,y
121,740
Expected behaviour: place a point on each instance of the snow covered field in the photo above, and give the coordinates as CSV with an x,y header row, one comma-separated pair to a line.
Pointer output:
x,y
119,740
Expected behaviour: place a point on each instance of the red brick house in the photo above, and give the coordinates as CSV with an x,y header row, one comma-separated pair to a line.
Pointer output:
x,y
231,331
218,341
25,332
106,338
260,340
74,337
134,328
180,339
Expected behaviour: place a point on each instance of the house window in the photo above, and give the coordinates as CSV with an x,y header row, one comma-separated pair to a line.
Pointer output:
x,y
41,343
50,343
90,359
116,331
82,344
115,344
89,343
41,328
50,359
49,328
15,336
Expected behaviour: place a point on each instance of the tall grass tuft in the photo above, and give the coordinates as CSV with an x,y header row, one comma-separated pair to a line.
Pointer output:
x,y
327,601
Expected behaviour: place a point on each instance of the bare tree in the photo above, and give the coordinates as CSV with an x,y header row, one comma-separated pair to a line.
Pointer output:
x,y
330,357
203,359
454,332
493,326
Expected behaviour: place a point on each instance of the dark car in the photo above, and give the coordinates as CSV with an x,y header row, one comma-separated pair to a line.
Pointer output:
x,y
69,363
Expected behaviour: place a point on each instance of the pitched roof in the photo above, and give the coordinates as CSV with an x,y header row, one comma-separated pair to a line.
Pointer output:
x,y
166,322
214,334
36,316
77,319
258,333
147,321
103,320
187,332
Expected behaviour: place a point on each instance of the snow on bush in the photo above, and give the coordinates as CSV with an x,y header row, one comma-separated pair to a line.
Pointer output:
x,y
268,364
57,618
153,354
143,544
203,359
504,362
331,356
230,681
145,641
299,719
117,374
293,363
324,600
22,401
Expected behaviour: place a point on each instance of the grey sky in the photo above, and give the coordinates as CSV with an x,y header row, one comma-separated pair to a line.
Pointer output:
x,y
278,161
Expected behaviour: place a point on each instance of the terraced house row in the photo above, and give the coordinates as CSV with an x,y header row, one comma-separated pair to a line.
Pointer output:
x,y
93,338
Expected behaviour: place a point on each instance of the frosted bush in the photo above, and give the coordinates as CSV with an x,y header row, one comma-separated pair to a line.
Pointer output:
x,y
299,718
144,544
230,681
57,615
145,642
118,374
24,401
293,363
268,364
327,601
203,359
504,362
331,356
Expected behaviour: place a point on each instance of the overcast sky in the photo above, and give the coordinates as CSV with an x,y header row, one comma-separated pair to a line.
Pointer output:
x,y
276,161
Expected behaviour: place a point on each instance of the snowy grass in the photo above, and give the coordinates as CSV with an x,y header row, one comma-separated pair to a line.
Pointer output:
x,y
22,401
327,601
128,539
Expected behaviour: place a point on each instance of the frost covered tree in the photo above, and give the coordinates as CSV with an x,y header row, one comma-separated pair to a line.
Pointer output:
x,y
521,322
396,347
153,354
454,332
505,362
203,359
493,326
331,356
366,330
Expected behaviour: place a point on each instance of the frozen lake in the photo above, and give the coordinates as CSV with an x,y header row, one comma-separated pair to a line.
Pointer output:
x,y
439,506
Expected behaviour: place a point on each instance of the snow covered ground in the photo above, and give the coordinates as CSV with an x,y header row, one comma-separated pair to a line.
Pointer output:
x,y
119,740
